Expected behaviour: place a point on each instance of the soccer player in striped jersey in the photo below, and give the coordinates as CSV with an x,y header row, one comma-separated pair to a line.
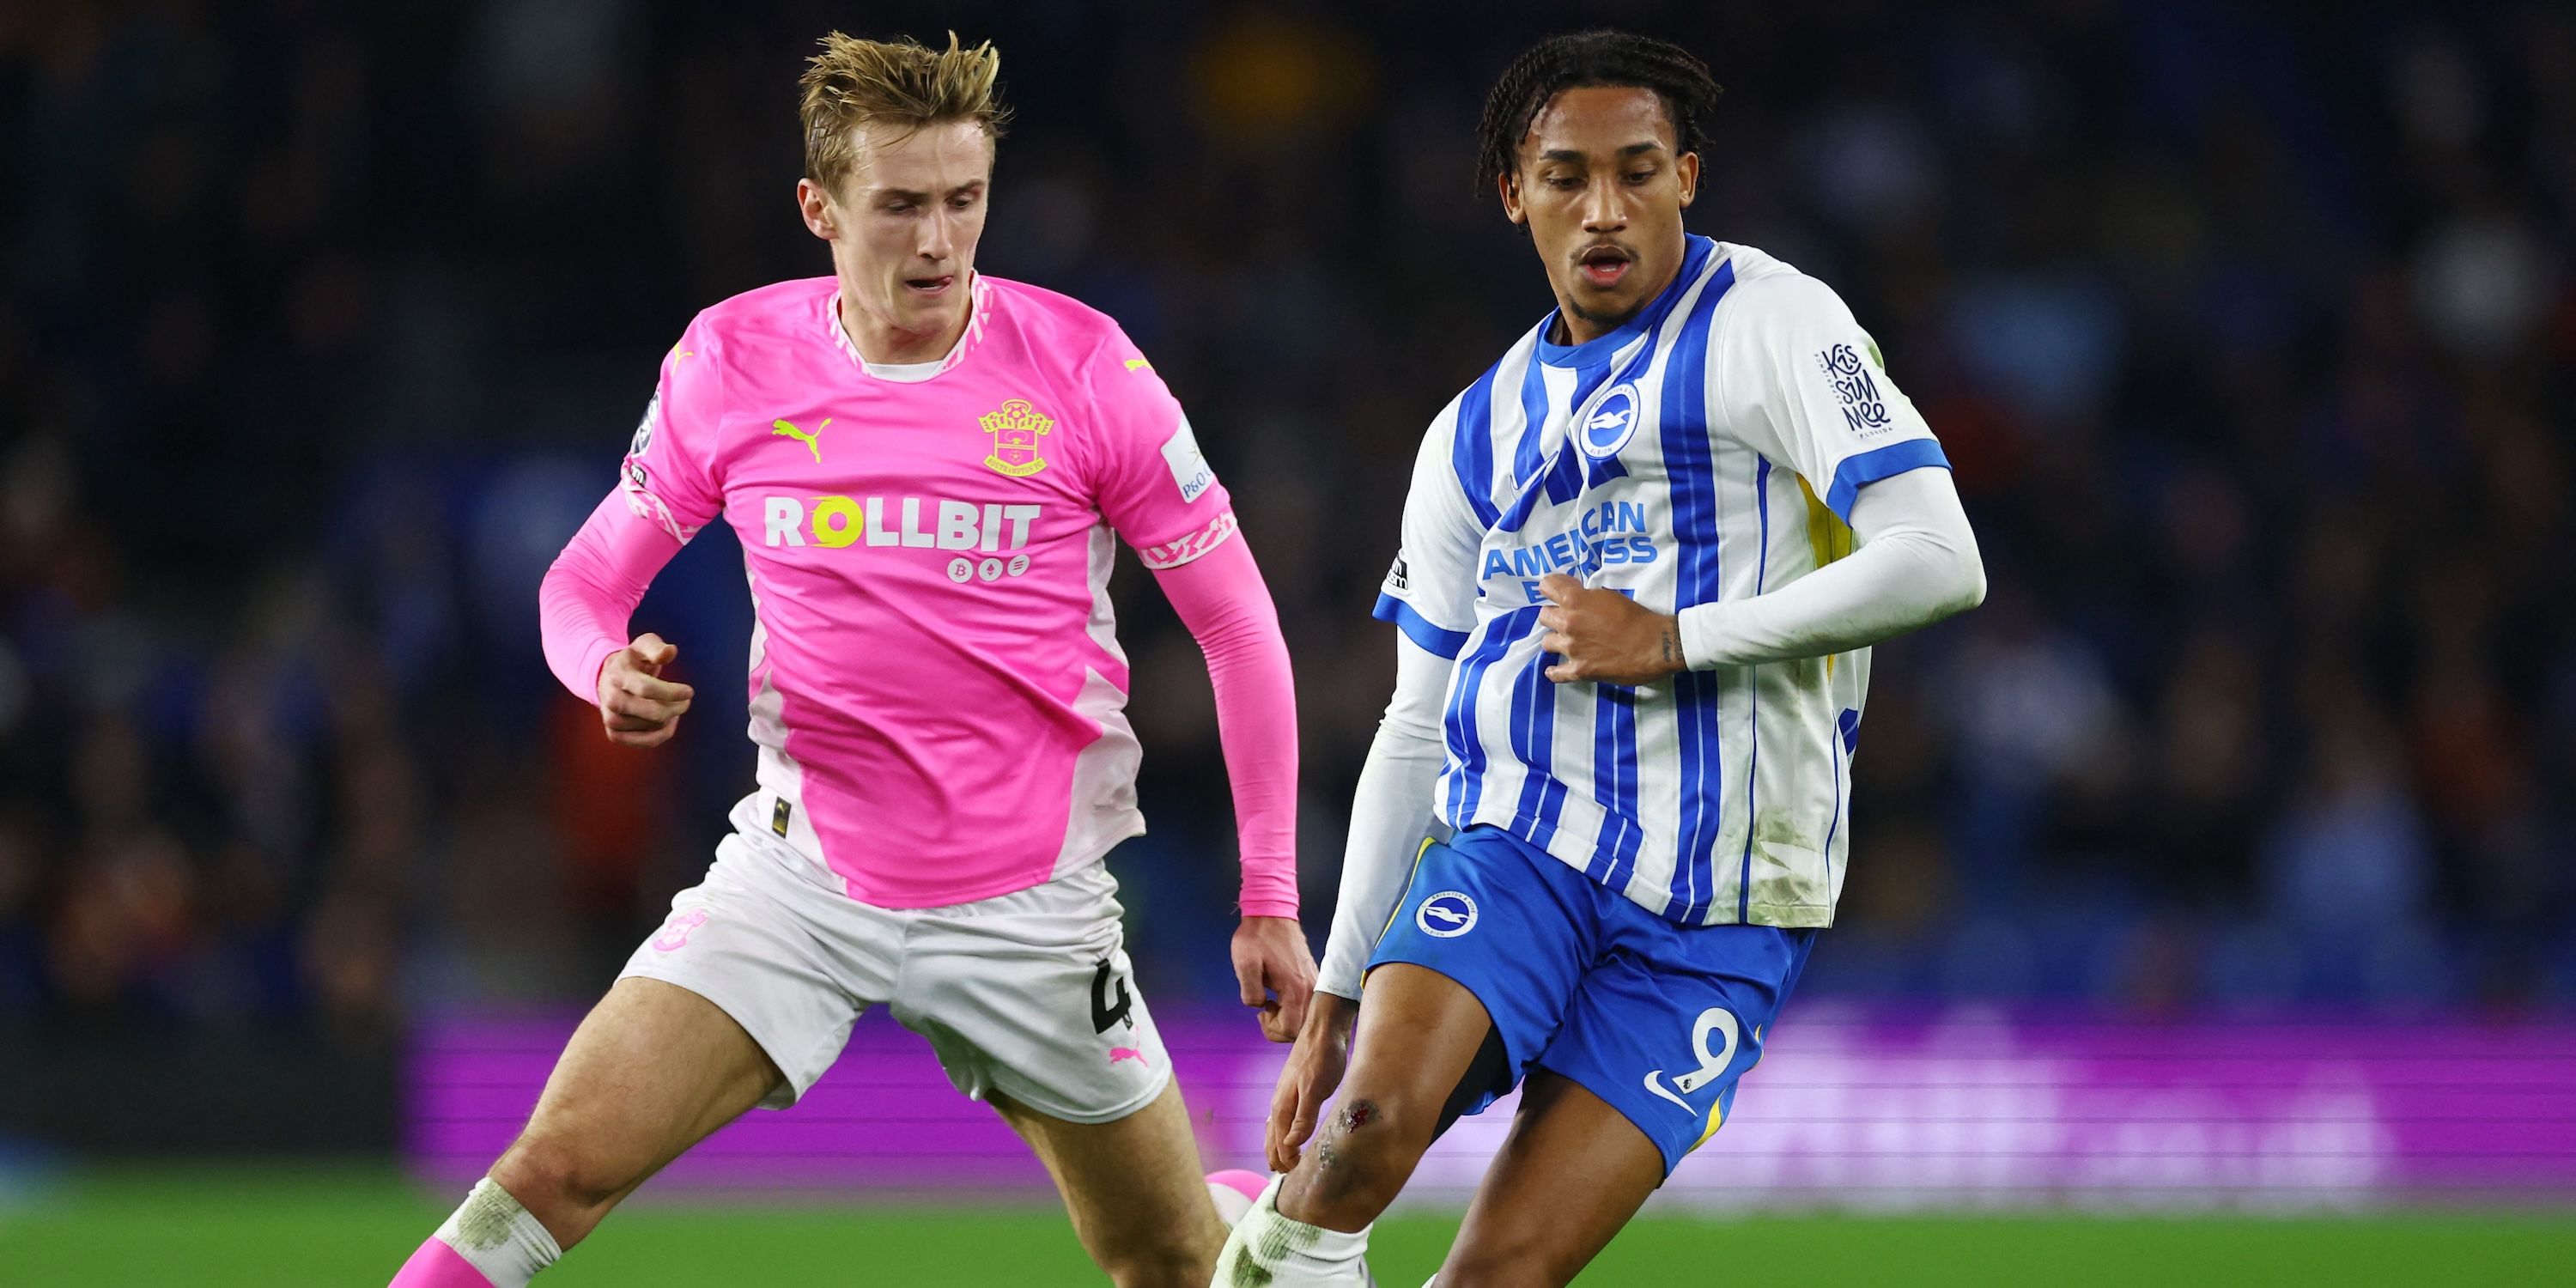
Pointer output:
x,y
1642,563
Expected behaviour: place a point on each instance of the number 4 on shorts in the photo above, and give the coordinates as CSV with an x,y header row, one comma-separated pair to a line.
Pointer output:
x,y
1103,1012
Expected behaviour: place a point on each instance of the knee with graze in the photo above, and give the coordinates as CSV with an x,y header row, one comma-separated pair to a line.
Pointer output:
x,y
1361,1150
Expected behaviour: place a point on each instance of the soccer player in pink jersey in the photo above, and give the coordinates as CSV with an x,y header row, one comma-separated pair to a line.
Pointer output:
x,y
925,467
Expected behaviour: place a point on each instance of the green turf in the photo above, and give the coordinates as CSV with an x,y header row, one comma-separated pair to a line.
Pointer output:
x,y
286,1230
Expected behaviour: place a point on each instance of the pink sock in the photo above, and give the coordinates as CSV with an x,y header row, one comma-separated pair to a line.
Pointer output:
x,y
489,1242
436,1265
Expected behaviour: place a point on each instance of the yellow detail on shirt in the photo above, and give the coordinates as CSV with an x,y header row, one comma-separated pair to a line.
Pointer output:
x,y
1016,429
811,441
1829,539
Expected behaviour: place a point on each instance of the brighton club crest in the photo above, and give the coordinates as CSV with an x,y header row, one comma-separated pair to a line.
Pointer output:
x,y
1016,429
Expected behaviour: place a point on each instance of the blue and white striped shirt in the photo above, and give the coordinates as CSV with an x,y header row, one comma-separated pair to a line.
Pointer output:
x,y
1709,450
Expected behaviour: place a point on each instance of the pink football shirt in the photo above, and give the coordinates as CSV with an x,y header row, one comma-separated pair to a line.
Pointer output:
x,y
936,688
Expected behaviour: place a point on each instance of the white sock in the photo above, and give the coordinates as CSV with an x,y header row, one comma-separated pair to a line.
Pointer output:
x,y
1269,1248
498,1237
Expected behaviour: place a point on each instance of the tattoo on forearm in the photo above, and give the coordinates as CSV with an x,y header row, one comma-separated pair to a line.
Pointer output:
x,y
1673,646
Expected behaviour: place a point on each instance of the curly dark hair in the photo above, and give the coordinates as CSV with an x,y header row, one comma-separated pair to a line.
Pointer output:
x,y
1581,60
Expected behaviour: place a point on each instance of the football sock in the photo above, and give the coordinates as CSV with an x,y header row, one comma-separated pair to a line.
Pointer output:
x,y
1267,1247
488,1242
435,1265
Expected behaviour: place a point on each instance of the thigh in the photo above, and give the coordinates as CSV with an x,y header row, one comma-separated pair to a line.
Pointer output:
x,y
1570,1175
1483,952
652,1069
1134,1187
1516,930
1419,1035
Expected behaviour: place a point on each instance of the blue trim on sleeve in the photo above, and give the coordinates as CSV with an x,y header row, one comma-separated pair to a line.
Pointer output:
x,y
1418,628
1471,449
1869,467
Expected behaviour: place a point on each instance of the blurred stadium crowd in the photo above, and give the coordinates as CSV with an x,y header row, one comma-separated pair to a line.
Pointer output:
x,y
2249,328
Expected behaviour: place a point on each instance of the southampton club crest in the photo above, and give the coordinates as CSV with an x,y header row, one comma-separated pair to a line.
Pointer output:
x,y
1016,429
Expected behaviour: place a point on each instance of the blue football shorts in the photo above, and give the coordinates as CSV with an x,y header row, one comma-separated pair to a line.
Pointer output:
x,y
1658,1019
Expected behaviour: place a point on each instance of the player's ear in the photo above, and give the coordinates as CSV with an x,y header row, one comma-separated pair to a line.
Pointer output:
x,y
1508,185
816,209
1688,168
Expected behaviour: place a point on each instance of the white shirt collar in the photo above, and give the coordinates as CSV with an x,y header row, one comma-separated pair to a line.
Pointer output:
x,y
909,373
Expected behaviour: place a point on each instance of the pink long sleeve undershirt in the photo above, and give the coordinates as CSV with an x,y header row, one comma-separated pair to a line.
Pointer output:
x,y
1221,598
589,595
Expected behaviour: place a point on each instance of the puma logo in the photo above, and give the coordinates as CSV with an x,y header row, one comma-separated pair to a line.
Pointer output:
x,y
675,936
813,442
1117,1054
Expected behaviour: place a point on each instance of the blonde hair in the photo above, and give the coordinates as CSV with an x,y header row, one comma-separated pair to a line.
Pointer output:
x,y
853,82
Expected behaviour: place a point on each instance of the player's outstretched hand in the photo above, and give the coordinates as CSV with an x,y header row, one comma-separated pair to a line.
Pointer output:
x,y
1605,637
1314,1070
1270,956
638,706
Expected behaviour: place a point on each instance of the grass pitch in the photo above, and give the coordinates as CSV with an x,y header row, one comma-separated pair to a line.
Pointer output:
x,y
219,1228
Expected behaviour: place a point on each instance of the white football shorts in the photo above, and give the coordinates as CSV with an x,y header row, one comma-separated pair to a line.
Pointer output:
x,y
1029,994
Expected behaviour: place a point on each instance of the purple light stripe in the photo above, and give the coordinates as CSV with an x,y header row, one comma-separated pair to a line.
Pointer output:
x,y
1847,1109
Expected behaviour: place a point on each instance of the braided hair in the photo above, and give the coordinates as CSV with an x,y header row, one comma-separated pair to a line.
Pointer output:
x,y
1582,60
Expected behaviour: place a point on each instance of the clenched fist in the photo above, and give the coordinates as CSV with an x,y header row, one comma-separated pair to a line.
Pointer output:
x,y
638,706
1605,637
